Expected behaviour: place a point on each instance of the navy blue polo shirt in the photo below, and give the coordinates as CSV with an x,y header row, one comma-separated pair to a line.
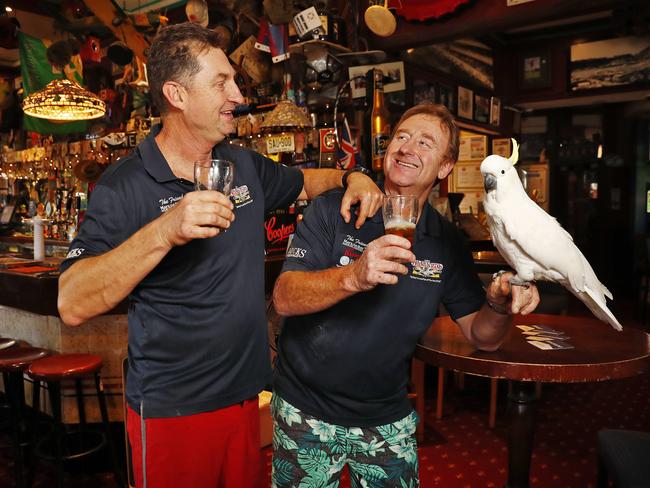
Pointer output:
x,y
198,336
349,364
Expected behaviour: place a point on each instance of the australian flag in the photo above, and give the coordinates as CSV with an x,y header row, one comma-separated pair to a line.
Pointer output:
x,y
348,153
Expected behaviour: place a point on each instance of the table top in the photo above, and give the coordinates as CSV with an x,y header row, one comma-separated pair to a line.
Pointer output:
x,y
600,352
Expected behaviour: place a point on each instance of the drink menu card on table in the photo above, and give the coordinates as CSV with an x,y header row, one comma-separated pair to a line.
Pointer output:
x,y
545,337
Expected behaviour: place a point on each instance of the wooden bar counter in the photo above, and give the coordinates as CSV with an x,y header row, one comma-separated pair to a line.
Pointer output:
x,y
28,313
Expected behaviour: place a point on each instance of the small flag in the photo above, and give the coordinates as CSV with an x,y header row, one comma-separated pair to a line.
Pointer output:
x,y
348,153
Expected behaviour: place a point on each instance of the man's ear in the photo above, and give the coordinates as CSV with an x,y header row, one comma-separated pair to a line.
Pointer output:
x,y
175,94
445,168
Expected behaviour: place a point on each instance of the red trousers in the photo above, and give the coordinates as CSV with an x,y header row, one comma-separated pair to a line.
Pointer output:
x,y
219,449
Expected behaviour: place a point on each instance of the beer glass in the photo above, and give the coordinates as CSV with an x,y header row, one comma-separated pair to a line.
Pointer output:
x,y
214,174
400,215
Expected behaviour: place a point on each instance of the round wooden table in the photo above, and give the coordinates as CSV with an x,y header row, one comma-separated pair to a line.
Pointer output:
x,y
599,353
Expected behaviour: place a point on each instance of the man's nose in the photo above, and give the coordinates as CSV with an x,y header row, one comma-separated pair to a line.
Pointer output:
x,y
408,147
235,94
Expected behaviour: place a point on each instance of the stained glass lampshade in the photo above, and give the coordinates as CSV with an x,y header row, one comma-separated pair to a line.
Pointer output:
x,y
64,100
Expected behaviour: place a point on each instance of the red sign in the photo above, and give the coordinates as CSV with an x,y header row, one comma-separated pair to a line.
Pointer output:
x,y
278,226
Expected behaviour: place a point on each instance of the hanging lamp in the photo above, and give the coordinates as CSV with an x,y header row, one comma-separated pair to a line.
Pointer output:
x,y
64,100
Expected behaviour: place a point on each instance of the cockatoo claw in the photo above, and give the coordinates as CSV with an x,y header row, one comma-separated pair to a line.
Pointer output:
x,y
516,281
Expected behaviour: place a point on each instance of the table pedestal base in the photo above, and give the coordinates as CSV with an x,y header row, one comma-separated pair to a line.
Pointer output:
x,y
521,411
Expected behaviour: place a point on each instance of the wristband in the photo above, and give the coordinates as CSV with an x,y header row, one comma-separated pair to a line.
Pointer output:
x,y
354,169
500,308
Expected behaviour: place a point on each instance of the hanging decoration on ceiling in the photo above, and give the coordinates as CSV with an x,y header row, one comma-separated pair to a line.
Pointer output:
x,y
37,72
426,9
380,20
197,12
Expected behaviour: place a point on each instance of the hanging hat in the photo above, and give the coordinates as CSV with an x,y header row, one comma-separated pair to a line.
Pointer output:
x,y
197,12
59,53
119,53
87,170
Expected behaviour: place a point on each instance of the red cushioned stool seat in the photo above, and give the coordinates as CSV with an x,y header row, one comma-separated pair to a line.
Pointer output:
x,y
19,358
6,343
53,371
63,366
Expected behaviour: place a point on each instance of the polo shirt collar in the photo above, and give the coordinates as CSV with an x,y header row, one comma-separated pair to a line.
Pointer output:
x,y
153,160
428,225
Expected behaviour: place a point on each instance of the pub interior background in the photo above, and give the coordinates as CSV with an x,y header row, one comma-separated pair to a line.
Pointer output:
x,y
568,79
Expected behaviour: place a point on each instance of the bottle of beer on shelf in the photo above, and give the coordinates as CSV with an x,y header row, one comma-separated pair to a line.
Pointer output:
x,y
379,124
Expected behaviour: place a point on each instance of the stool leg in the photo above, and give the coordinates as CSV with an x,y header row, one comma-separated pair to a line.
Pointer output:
x,y
16,393
107,427
36,408
81,411
80,402
54,389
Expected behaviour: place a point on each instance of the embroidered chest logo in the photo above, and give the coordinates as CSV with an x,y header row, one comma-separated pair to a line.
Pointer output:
x,y
169,202
241,196
425,270
352,249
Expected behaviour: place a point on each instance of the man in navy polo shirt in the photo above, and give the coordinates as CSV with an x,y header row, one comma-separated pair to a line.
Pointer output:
x,y
358,301
198,347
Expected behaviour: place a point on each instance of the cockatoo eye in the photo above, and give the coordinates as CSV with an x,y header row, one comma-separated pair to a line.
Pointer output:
x,y
503,171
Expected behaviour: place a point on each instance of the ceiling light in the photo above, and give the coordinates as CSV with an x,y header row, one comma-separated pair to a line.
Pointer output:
x,y
64,100
8,9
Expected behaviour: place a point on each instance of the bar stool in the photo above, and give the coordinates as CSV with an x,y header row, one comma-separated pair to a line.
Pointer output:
x,y
13,362
52,371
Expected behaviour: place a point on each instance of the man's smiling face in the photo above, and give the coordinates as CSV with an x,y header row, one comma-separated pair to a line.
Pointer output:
x,y
416,155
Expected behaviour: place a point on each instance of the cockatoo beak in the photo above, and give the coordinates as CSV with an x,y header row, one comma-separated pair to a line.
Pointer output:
x,y
489,183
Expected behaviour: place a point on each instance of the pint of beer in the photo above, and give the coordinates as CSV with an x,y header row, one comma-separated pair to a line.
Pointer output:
x,y
400,215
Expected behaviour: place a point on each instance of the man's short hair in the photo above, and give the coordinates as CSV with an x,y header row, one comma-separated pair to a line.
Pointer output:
x,y
173,57
441,113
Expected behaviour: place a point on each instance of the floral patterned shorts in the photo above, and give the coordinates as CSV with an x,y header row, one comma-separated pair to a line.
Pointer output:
x,y
311,453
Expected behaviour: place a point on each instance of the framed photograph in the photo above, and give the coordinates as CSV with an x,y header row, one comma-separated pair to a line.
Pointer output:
x,y
481,109
501,147
472,148
495,111
535,69
465,103
611,62
423,92
535,180
447,97
394,79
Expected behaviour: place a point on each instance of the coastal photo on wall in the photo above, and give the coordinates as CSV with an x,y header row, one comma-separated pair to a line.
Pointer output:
x,y
612,62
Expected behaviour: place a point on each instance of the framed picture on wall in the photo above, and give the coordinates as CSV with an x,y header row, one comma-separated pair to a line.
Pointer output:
x,y
481,109
394,79
535,69
495,111
610,62
423,92
465,103
447,97
472,148
501,147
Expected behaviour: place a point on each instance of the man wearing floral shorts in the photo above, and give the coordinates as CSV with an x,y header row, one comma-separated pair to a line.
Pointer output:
x,y
357,302
374,454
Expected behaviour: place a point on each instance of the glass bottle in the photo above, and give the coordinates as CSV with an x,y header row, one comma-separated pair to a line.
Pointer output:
x,y
379,124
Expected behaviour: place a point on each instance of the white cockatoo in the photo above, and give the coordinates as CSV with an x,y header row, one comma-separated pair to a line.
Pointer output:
x,y
532,242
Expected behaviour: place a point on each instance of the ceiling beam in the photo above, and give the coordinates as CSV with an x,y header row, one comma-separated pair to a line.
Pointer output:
x,y
106,11
482,18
